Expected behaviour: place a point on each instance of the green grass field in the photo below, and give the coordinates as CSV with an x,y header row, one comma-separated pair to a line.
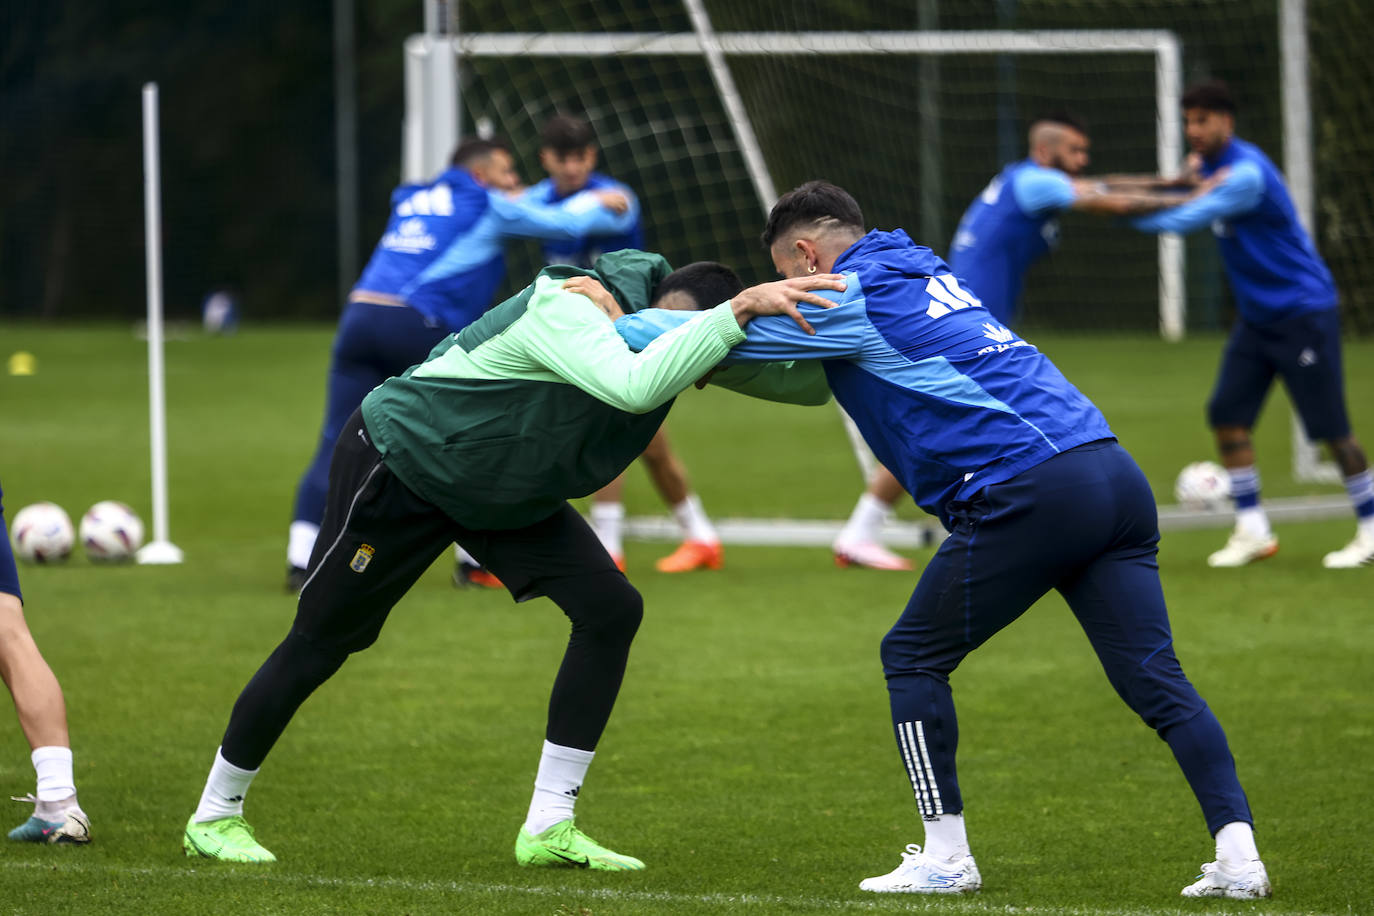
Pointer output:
x,y
749,762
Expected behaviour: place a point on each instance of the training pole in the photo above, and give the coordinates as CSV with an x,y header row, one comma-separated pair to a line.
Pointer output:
x,y
160,549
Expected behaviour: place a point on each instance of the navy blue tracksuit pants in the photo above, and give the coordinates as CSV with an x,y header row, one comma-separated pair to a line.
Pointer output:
x,y
1083,523
373,343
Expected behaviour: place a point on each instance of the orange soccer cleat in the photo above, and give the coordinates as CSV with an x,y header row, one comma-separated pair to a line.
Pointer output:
x,y
692,555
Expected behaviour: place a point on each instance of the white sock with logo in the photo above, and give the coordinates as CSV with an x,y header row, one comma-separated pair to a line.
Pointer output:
x,y
865,521
53,764
946,840
696,526
1236,844
300,540
224,790
561,771
608,519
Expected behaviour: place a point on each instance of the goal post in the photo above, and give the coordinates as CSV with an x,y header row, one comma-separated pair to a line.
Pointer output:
x,y
717,48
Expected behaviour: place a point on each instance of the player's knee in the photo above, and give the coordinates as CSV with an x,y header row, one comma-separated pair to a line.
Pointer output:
x,y
1161,694
608,607
900,654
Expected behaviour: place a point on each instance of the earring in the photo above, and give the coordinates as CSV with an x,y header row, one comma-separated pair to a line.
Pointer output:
x,y
811,269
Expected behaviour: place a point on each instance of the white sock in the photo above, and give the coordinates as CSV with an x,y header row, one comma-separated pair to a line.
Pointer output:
x,y
1253,522
694,522
561,771
1236,844
865,521
608,520
1365,527
299,542
224,790
53,764
463,556
946,840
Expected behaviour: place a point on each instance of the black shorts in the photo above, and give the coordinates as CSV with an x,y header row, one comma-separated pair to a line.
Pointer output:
x,y
378,537
1305,350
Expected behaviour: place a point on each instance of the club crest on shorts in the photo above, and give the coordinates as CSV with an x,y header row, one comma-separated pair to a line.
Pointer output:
x,y
362,558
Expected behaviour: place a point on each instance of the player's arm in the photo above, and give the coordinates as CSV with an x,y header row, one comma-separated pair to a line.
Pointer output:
x,y
1098,197
793,382
583,214
835,333
1239,192
568,334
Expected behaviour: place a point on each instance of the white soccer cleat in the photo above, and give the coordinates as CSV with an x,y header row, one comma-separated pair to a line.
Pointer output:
x,y
1359,552
1250,882
870,554
920,874
1243,548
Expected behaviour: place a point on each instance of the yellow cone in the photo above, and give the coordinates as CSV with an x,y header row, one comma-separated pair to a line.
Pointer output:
x,y
23,363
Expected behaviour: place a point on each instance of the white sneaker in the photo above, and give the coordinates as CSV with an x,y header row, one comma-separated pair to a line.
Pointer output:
x,y
870,554
1359,552
1250,882
920,874
1242,548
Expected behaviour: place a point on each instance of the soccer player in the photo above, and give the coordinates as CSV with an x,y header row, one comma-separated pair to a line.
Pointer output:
x,y
534,403
434,271
568,152
1014,222
57,816
1011,224
1029,480
1287,324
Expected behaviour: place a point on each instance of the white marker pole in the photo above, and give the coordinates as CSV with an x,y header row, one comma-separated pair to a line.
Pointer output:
x,y
160,550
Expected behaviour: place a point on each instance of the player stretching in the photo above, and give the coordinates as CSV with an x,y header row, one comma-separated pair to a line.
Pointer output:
x,y
568,152
57,817
534,403
435,270
1010,225
1036,493
1287,324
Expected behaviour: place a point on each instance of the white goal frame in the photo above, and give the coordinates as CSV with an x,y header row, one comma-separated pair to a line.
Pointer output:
x,y
716,47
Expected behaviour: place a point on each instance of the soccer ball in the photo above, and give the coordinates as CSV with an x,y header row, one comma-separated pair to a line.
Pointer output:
x,y
110,531
42,533
1202,485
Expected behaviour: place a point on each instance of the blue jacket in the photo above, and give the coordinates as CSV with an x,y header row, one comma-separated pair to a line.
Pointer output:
x,y
950,400
1007,228
1271,263
443,251
583,251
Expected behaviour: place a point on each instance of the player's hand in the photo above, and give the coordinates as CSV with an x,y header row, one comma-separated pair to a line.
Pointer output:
x,y
1210,182
615,201
593,290
782,296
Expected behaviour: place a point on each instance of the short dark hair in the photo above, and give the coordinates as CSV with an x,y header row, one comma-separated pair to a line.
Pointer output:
x,y
1064,118
565,134
816,202
474,148
1213,95
709,283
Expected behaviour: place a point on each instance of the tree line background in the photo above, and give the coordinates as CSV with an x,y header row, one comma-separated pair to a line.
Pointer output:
x,y
249,172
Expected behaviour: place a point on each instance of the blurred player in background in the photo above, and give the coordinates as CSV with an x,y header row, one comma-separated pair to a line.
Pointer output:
x,y
537,402
57,817
1287,324
1008,227
568,152
435,270
1036,492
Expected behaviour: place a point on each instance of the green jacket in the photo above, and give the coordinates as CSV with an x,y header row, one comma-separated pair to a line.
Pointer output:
x,y
539,400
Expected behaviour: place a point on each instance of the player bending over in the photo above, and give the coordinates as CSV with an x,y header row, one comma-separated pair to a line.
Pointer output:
x,y
536,402
1036,493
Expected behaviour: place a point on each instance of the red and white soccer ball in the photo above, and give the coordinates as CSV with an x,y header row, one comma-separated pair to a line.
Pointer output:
x,y
111,532
42,533
1202,485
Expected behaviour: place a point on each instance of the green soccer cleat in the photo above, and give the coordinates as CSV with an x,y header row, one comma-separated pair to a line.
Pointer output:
x,y
69,823
228,839
564,846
